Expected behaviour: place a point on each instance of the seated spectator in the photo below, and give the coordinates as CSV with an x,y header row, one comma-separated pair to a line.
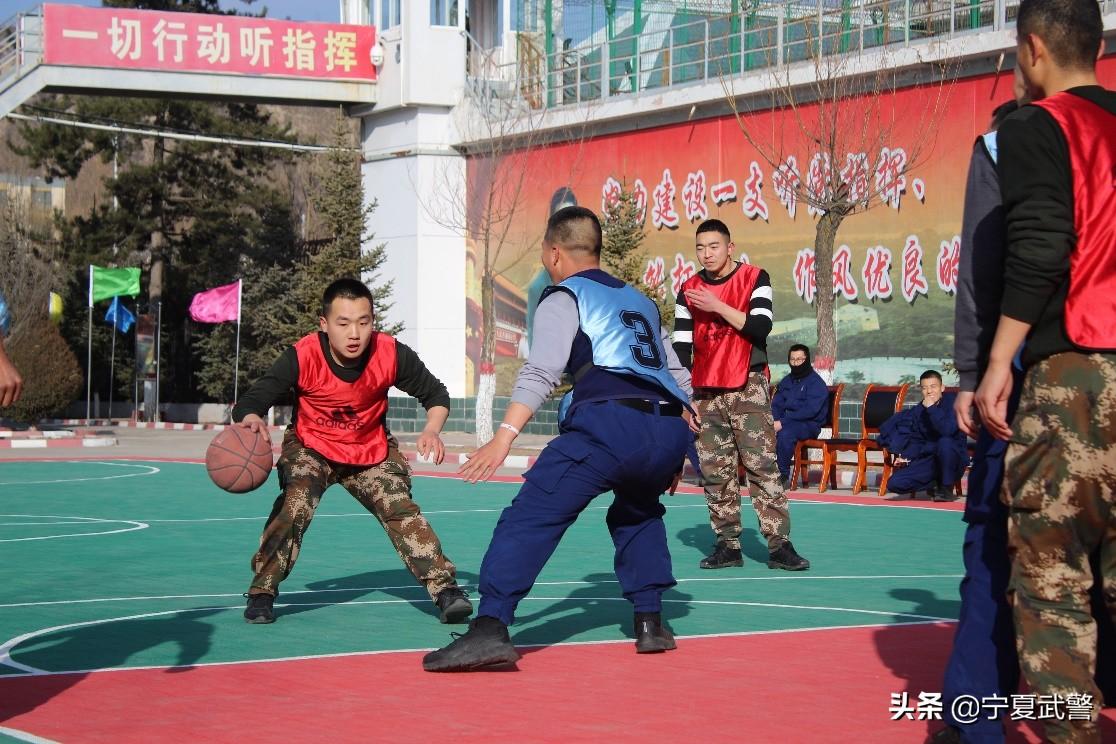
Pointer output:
x,y
928,447
800,408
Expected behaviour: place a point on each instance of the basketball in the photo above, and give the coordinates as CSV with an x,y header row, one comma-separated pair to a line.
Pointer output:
x,y
238,459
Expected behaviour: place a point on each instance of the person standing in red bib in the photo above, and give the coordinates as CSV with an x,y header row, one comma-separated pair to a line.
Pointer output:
x,y
340,376
721,323
1057,169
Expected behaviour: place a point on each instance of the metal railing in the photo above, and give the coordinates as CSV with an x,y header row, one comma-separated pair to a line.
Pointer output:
x,y
21,45
769,35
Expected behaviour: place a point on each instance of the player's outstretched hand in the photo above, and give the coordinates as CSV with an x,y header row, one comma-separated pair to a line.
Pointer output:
x,y
692,420
11,384
431,445
253,422
483,463
963,410
992,399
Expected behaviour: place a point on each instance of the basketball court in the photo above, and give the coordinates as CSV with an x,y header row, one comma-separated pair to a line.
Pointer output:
x,y
122,609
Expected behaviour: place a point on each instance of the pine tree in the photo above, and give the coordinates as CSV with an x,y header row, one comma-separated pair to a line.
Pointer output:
x,y
189,213
622,236
344,217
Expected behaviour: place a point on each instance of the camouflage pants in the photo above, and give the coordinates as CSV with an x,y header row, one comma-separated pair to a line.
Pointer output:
x,y
736,426
384,490
1060,480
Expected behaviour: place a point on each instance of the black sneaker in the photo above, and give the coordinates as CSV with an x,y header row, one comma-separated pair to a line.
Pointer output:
x,y
486,645
453,605
942,493
722,557
652,637
259,610
786,558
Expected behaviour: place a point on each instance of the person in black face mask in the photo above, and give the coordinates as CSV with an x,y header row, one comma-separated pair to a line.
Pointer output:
x,y
799,407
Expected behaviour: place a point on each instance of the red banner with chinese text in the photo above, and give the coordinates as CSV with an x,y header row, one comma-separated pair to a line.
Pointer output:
x,y
197,42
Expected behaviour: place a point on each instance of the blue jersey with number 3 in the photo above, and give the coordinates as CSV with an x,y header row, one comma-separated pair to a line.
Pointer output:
x,y
623,332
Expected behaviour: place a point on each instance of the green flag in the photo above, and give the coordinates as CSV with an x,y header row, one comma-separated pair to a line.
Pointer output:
x,y
106,283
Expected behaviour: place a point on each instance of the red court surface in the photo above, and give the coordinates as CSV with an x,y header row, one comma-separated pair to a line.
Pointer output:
x,y
816,686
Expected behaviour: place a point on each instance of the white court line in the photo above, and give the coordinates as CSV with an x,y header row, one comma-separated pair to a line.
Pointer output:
x,y
151,470
24,736
358,589
135,526
500,509
384,652
7,647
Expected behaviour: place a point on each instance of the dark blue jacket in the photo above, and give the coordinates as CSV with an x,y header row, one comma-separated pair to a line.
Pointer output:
x,y
805,400
915,432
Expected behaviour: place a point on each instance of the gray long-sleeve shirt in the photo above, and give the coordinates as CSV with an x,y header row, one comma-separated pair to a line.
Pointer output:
x,y
980,271
556,324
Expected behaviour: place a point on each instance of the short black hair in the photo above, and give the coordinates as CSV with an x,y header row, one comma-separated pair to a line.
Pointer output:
x,y
1071,29
930,374
1003,111
799,347
576,229
347,289
714,225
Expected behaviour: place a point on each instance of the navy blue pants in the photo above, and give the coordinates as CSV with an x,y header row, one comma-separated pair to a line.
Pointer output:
x,y
692,456
944,467
603,447
787,438
984,661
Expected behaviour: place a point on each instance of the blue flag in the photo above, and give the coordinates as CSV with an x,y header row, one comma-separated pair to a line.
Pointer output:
x,y
5,318
119,316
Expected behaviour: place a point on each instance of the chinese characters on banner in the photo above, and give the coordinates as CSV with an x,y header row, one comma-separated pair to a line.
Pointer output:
x,y
949,257
693,197
805,275
197,42
754,205
887,182
877,274
843,282
914,279
663,213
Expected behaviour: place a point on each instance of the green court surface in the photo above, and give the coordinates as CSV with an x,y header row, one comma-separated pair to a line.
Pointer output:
x,y
124,564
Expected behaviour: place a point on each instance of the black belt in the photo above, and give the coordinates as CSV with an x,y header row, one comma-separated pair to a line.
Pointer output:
x,y
648,406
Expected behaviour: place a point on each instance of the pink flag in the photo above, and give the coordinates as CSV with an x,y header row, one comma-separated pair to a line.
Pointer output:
x,y
217,305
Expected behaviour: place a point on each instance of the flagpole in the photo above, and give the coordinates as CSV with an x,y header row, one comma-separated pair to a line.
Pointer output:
x,y
135,368
112,362
158,351
89,356
236,364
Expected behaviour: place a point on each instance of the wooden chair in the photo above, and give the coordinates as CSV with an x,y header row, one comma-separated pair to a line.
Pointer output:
x,y
879,404
802,462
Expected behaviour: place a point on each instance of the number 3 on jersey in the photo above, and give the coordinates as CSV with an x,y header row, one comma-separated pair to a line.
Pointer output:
x,y
645,351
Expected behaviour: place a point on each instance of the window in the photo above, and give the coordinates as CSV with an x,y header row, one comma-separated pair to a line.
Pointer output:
x,y
41,203
391,13
443,12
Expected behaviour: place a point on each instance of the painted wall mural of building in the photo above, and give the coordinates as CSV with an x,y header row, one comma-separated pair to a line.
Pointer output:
x,y
895,266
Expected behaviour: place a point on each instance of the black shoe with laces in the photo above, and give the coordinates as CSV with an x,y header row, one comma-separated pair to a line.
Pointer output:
x,y
722,557
259,609
942,493
486,645
786,558
652,637
453,605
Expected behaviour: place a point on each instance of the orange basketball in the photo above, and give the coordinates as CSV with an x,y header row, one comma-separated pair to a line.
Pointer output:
x,y
238,459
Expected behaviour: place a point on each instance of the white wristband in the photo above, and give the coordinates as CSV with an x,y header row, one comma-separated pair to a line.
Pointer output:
x,y
510,428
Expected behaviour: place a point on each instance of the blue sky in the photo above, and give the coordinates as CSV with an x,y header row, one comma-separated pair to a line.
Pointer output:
x,y
298,10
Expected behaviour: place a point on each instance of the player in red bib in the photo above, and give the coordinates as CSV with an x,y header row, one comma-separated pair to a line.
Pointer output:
x,y
721,323
341,376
